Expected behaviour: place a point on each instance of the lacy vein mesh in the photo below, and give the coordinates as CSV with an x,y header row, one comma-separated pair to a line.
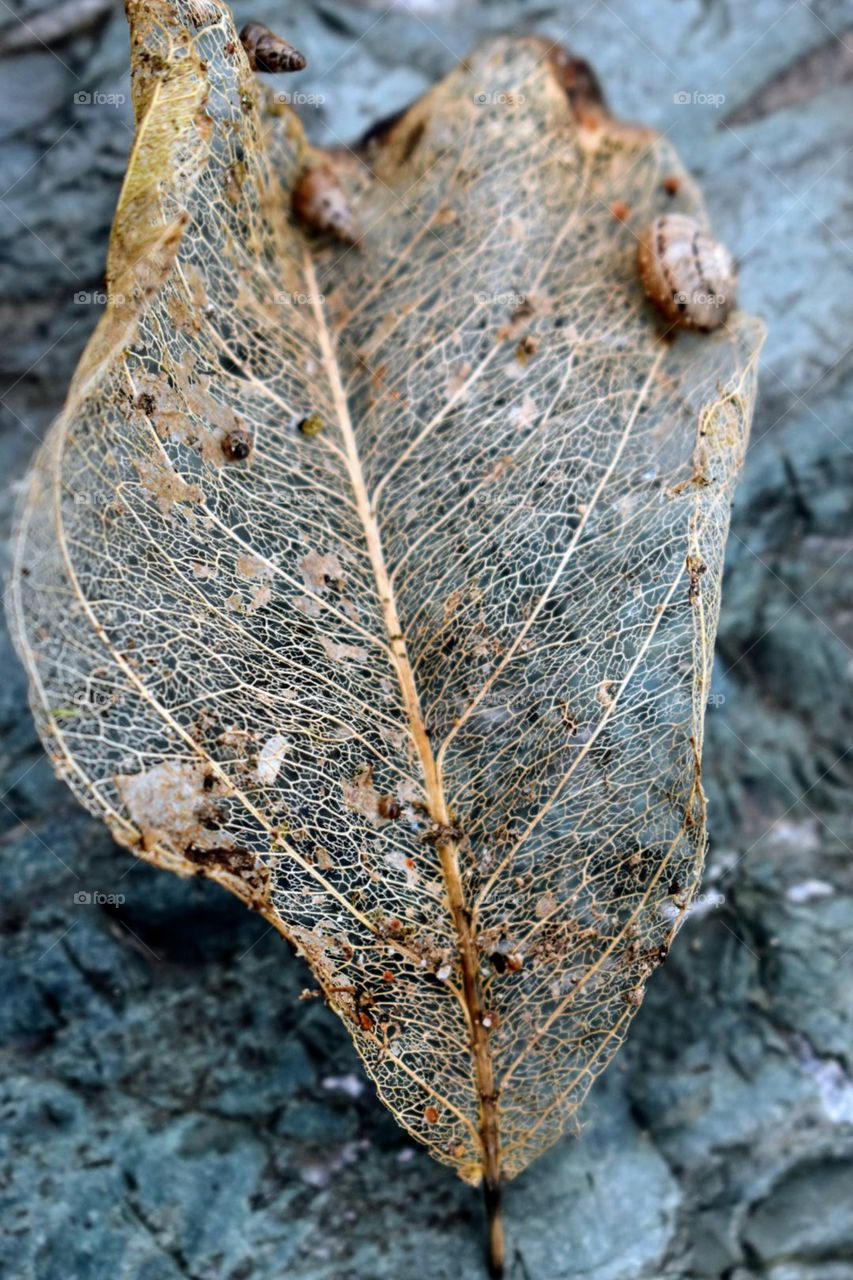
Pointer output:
x,y
550,480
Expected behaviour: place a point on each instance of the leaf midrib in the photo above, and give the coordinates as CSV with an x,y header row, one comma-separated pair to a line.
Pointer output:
x,y
446,848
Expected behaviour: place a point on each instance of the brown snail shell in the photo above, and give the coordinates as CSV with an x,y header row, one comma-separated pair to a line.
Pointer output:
x,y
320,204
688,275
268,52
237,443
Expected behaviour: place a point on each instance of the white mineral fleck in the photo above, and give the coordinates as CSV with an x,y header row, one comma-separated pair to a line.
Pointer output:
x,y
269,761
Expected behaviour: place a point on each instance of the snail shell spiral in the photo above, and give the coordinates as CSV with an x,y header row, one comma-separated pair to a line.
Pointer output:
x,y
690,277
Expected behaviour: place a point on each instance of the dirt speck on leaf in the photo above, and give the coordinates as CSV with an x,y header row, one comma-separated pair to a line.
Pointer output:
x,y
178,803
343,652
250,567
166,486
362,797
260,596
308,606
172,801
320,572
499,468
546,905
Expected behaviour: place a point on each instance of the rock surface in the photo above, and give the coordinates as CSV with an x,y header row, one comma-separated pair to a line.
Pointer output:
x,y
169,1107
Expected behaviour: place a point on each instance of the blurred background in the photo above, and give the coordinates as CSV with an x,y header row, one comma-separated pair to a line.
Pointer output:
x,y
169,1108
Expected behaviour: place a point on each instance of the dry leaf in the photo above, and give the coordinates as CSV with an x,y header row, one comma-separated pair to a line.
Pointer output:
x,y
482,598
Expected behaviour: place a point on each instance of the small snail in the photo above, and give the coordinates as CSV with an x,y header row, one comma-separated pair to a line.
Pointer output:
x,y
268,52
311,425
320,204
237,444
687,274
